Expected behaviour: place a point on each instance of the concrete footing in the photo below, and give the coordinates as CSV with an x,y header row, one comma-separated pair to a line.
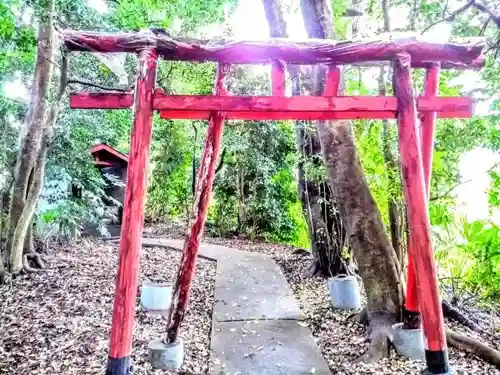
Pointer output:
x,y
409,343
166,356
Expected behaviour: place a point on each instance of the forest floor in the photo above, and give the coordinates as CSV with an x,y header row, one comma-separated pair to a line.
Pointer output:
x,y
340,339
56,321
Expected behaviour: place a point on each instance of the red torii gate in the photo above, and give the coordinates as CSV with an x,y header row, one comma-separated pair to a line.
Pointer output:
x,y
416,145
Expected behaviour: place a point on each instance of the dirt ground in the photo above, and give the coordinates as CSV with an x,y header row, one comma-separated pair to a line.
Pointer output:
x,y
340,339
57,321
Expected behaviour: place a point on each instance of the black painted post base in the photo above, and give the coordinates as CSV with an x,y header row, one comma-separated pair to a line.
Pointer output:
x,y
118,366
437,363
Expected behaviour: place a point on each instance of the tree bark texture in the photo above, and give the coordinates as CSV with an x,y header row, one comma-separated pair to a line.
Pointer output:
x,y
376,259
326,231
30,165
372,249
396,207
26,171
244,52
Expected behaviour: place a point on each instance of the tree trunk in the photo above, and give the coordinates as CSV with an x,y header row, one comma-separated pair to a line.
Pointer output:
x,y
376,258
396,207
32,141
30,165
25,220
326,230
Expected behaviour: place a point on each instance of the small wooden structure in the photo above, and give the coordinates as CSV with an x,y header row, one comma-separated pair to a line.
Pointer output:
x,y
415,141
114,163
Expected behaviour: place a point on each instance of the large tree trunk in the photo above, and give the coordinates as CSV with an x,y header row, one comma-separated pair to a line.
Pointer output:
x,y
326,230
376,258
19,247
395,204
31,143
30,166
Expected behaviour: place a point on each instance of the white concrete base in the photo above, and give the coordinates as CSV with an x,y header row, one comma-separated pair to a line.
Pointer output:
x,y
166,356
344,292
409,343
156,297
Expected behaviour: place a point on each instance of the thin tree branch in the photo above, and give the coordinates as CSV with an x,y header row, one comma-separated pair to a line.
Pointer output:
x,y
493,167
483,29
221,160
483,8
387,20
167,76
451,16
96,85
63,79
441,196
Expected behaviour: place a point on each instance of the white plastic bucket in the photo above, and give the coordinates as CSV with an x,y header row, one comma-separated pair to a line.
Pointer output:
x,y
344,292
156,297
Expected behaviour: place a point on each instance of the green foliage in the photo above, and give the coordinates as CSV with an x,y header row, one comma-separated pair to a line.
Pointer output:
x,y
474,263
257,179
255,190
169,192
494,190
369,142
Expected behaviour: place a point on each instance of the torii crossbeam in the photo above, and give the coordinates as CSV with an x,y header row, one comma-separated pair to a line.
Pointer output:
x,y
416,144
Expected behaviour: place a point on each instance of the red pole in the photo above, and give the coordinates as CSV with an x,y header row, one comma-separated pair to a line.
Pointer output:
x,y
427,131
133,218
332,83
418,215
428,127
205,179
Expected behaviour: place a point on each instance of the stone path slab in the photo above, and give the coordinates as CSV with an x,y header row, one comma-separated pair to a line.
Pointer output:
x,y
280,347
257,327
252,287
208,251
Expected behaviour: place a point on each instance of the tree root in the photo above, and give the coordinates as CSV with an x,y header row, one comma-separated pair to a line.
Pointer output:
x,y
36,259
453,313
311,271
361,317
473,346
380,336
411,320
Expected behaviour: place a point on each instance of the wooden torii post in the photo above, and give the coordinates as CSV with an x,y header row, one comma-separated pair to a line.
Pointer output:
x,y
416,145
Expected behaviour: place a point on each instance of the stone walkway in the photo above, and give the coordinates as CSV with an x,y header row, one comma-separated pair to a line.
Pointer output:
x,y
256,326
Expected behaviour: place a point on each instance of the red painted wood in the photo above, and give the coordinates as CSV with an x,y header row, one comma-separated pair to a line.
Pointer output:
x,y
332,81
104,147
427,131
306,52
416,198
133,213
268,104
100,100
204,182
103,163
303,103
278,78
429,123
303,115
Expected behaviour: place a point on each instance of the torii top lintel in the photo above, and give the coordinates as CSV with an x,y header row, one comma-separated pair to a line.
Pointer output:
x,y
448,55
